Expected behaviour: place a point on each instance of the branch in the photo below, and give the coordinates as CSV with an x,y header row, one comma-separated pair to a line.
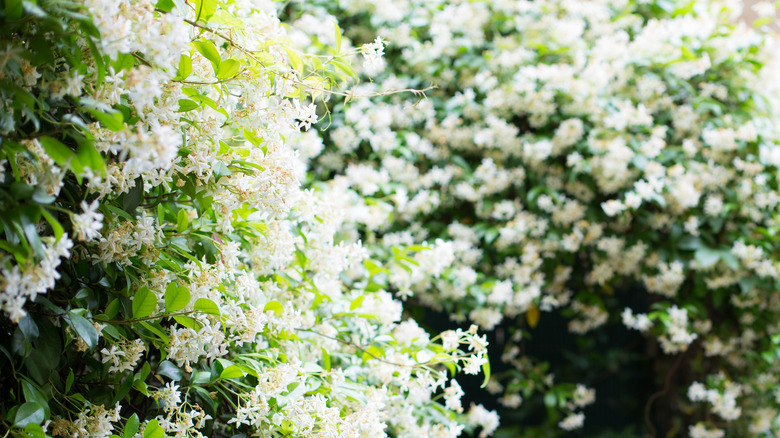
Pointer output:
x,y
351,95
661,393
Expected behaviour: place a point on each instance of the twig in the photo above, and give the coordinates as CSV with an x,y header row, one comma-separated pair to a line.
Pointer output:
x,y
352,344
658,394
351,95
148,318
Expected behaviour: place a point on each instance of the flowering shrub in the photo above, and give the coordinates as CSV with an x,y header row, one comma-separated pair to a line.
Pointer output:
x,y
570,151
162,271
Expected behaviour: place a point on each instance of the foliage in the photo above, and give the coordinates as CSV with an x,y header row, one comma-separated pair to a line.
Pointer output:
x,y
571,151
162,273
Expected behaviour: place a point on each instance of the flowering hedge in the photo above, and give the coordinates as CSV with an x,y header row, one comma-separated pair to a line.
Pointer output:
x,y
570,152
162,271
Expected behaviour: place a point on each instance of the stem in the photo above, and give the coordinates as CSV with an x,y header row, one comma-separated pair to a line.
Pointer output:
x,y
298,82
148,318
658,394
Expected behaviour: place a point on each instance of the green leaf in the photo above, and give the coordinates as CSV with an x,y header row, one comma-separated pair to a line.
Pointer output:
x,y
205,305
221,170
356,302
29,328
187,105
29,413
209,50
730,259
294,59
131,427
337,30
185,67
84,328
486,371
204,9
34,430
344,68
706,256
274,306
132,199
54,223
33,9
188,322
182,221
144,303
112,120
13,9
326,365
61,154
228,68
34,394
165,5
140,386
69,381
200,377
169,370
231,372
372,352
177,296
153,430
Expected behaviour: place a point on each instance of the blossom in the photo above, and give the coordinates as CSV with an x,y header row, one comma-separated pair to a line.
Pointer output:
x,y
87,225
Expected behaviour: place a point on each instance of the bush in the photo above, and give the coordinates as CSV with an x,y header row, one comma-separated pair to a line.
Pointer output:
x,y
607,162
163,273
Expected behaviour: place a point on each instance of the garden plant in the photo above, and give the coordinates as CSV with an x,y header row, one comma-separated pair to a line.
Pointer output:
x,y
600,177
162,271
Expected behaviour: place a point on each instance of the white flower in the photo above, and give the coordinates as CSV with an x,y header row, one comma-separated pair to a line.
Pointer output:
x,y
87,225
573,421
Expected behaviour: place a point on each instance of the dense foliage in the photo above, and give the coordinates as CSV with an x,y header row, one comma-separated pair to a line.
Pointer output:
x,y
610,162
162,273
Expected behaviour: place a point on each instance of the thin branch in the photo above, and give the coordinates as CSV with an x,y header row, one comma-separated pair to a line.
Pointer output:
x,y
364,350
661,393
351,95
148,318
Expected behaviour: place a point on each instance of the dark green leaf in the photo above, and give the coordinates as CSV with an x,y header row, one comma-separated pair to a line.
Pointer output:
x,y
13,9
34,394
29,328
133,198
69,381
169,370
84,328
